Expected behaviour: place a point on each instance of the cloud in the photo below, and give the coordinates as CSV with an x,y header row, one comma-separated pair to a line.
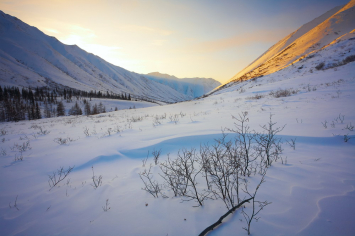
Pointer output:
x,y
79,28
82,41
262,36
158,42
54,31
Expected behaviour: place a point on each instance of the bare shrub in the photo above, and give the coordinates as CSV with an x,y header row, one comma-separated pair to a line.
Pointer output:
x,y
283,93
182,114
19,157
325,124
223,171
3,131
109,131
174,118
292,143
150,185
42,131
62,141
156,121
332,124
187,166
255,209
15,204
245,141
156,154
145,160
348,59
3,152
320,66
346,138
220,170
341,118
106,207
135,119
97,181
256,97
57,176
269,146
349,127
117,129
171,175
24,147
86,131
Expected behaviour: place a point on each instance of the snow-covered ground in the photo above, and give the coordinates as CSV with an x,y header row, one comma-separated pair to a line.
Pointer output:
x,y
109,104
311,190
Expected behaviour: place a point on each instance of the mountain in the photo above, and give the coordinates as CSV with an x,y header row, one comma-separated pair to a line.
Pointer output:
x,y
192,87
308,39
31,58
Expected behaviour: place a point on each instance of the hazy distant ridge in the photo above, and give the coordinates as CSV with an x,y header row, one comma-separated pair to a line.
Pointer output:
x,y
192,87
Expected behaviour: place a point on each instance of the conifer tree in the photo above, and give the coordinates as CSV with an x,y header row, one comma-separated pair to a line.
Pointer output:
x,y
1,94
47,111
38,112
60,109
87,108
75,110
95,110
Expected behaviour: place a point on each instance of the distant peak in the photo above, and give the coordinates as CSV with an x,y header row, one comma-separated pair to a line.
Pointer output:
x,y
161,75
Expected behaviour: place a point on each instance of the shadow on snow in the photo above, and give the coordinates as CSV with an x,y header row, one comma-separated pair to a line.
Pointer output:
x,y
188,142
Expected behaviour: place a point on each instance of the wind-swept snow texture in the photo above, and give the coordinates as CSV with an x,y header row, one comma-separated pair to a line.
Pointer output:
x,y
28,57
312,189
192,87
309,38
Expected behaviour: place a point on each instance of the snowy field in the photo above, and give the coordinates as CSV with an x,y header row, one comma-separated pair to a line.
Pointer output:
x,y
109,104
311,189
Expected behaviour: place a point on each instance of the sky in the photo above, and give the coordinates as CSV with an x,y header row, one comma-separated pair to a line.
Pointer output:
x,y
185,38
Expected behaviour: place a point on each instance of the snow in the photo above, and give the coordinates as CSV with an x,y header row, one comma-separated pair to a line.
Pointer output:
x,y
311,189
109,104
311,194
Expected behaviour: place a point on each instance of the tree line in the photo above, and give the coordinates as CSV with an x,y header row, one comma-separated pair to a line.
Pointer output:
x,y
20,104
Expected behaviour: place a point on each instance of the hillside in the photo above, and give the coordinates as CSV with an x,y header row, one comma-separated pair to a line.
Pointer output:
x,y
31,58
310,38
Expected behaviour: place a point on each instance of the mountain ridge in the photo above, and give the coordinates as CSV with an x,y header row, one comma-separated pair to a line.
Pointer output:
x,y
31,58
192,87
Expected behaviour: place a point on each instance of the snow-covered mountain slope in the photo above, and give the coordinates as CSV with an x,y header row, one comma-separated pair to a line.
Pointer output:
x,y
31,58
311,37
192,87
